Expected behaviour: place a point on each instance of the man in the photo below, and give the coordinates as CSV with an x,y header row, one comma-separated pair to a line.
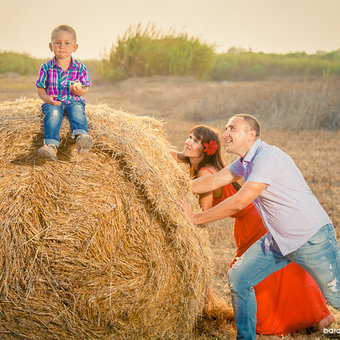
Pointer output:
x,y
299,229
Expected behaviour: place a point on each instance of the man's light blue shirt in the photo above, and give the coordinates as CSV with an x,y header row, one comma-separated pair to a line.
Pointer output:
x,y
289,209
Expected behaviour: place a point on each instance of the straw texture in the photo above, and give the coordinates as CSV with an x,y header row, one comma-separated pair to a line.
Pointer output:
x,y
94,246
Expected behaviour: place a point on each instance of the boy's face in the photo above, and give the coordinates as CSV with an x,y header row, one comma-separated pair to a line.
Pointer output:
x,y
63,45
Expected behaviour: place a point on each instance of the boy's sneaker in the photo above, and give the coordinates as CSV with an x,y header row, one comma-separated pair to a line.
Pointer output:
x,y
48,151
84,143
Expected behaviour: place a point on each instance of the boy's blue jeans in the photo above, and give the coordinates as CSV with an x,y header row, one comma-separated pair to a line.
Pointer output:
x,y
319,256
54,116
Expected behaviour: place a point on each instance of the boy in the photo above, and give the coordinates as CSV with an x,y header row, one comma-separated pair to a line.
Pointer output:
x,y
61,84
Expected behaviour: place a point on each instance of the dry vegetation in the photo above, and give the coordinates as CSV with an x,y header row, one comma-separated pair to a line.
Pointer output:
x,y
95,246
286,108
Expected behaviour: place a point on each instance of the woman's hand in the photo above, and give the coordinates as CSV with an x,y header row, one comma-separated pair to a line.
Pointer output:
x,y
186,210
178,156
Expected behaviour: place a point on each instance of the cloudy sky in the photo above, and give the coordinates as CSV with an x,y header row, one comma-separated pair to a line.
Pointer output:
x,y
279,26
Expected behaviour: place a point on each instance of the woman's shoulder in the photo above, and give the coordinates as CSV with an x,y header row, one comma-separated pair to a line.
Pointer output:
x,y
206,170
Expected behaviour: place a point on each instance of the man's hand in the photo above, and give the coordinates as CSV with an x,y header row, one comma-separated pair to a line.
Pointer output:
x,y
230,206
186,210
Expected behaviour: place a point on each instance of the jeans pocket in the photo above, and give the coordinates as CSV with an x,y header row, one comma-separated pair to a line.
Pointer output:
x,y
321,237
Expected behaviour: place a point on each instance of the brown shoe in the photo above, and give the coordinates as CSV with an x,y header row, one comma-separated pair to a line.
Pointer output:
x,y
84,143
48,151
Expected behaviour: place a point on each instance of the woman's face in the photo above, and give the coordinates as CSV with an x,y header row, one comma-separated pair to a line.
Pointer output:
x,y
193,147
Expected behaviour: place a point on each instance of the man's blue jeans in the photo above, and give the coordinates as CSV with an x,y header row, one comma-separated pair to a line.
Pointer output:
x,y
54,116
319,256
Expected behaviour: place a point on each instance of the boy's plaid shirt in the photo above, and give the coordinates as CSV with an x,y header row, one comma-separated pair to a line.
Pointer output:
x,y
57,82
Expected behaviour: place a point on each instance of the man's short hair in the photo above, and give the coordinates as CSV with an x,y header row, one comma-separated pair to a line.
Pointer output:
x,y
65,28
253,123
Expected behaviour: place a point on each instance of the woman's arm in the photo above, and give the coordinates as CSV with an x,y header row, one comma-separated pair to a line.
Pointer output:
x,y
205,199
178,156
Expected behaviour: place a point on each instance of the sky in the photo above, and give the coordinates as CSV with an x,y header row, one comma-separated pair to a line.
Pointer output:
x,y
270,26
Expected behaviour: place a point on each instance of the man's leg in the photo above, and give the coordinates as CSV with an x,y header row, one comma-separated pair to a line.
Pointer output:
x,y
253,267
320,257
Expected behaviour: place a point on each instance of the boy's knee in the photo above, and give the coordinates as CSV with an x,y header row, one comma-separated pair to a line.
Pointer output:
x,y
77,105
54,113
77,110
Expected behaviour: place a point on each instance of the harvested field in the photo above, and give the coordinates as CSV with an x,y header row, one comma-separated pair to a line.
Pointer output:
x,y
175,101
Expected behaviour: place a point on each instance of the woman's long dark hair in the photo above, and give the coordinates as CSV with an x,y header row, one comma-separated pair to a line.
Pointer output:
x,y
205,134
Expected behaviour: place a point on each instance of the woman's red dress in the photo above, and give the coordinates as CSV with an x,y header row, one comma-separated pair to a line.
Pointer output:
x,y
289,299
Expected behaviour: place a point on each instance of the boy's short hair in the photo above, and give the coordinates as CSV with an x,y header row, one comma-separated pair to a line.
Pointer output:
x,y
65,28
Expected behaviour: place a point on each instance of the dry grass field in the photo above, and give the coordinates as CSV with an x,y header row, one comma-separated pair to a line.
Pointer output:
x,y
285,108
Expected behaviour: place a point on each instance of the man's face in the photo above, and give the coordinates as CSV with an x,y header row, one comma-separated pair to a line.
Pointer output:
x,y
238,137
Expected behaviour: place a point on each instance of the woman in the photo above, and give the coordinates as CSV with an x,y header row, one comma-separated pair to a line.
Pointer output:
x,y
288,300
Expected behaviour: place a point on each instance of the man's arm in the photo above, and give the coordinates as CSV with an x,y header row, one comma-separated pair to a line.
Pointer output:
x,y
230,206
213,182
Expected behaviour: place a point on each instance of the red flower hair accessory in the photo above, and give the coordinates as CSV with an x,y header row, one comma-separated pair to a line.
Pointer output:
x,y
210,148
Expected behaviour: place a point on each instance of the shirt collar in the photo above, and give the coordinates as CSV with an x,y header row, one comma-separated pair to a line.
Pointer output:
x,y
54,63
74,63
251,152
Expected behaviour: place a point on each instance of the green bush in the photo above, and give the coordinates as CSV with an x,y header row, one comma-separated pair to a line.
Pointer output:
x,y
143,53
257,66
20,63
24,64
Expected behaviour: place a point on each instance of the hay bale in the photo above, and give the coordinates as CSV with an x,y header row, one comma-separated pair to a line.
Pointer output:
x,y
94,246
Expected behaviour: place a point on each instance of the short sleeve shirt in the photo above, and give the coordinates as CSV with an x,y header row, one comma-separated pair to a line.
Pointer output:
x,y
289,209
57,82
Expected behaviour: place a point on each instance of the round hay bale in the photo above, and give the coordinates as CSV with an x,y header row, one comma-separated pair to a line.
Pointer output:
x,y
94,246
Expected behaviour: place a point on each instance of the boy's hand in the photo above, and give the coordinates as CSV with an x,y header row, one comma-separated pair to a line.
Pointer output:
x,y
78,89
51,100
75,87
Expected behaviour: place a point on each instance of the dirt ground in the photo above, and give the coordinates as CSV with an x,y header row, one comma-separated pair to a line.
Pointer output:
x,y
175,101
